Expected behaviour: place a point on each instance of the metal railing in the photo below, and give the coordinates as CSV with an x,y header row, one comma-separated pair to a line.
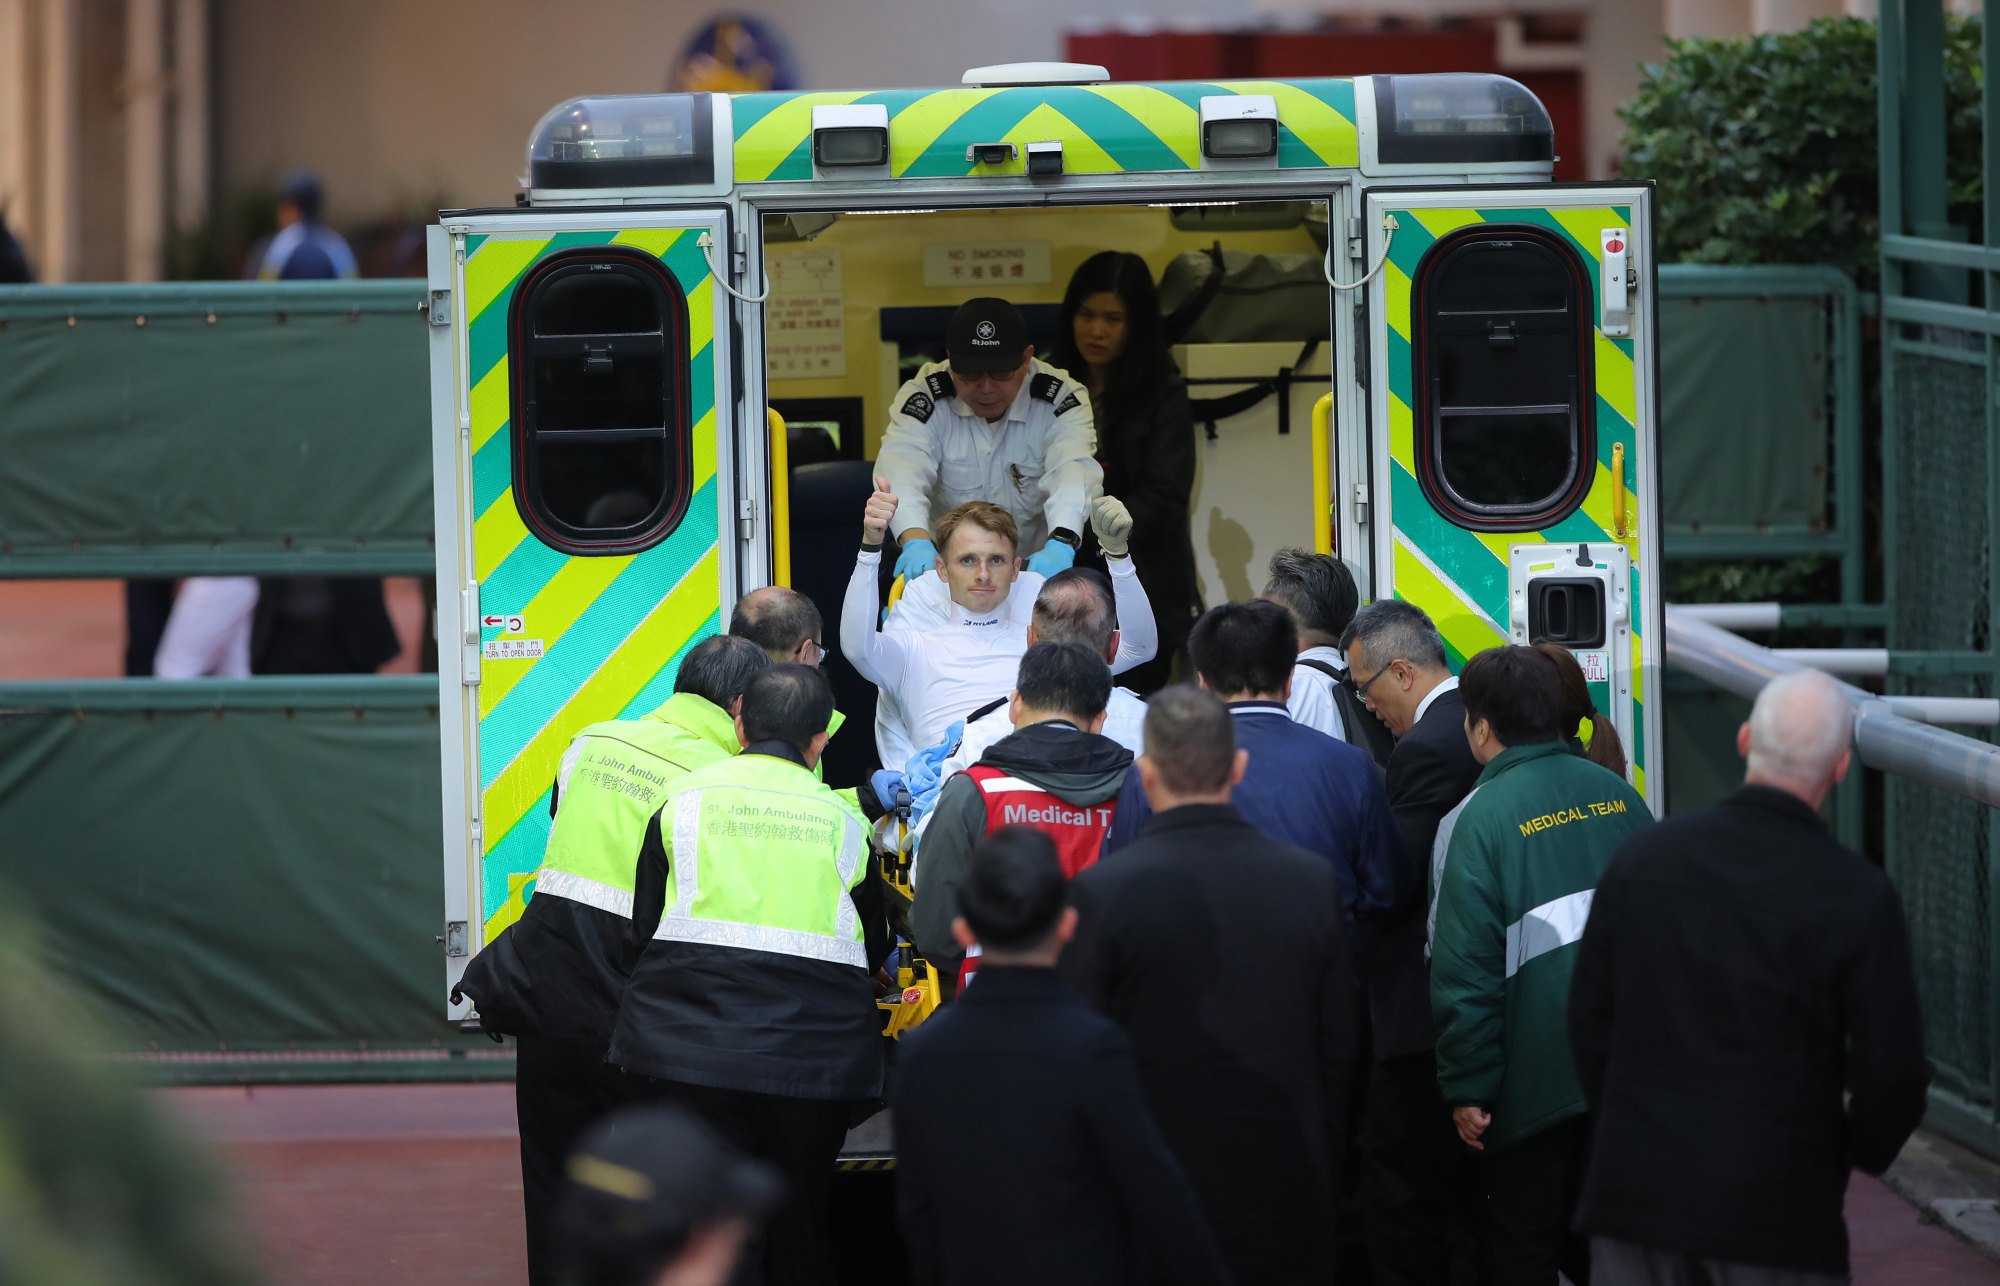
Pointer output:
x,y
1886,737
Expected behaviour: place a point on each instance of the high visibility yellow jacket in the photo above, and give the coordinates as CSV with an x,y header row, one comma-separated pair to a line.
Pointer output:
x,y
757,903
556,973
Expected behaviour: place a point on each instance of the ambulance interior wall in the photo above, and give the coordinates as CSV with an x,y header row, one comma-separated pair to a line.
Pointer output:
x,y
1253,490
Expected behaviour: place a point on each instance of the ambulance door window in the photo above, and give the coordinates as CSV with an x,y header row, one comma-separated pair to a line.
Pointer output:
x,y
1505,398
601,460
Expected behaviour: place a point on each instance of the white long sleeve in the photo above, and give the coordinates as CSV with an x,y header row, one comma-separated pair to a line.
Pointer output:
x,y
1138,632
926,604
879,656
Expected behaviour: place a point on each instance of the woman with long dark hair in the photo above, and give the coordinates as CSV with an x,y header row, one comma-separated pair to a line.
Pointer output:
x,y
1111,341
1605,748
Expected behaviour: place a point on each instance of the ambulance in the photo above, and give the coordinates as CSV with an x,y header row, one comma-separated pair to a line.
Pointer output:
x,y
1410,347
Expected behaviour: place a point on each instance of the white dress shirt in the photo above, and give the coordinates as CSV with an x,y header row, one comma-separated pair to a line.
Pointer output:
x,y
1311,702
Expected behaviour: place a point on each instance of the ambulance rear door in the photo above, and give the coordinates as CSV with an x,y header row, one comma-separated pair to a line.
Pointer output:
x,y
1513,385
585,497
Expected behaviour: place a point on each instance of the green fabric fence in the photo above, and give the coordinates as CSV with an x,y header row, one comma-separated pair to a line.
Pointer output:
x,y
231,427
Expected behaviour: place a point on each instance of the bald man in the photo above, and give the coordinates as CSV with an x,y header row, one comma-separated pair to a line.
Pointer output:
x,y
788,626
1745,1023
784,622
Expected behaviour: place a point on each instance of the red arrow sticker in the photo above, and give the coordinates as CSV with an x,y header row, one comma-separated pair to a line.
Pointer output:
x,y
492,620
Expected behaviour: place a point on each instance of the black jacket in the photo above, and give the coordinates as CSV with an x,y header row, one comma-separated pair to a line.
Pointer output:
x,y
1146,445
1076,767
555,973
1222,954
321,625
1430,771
1740,972
743,1019
1025,1152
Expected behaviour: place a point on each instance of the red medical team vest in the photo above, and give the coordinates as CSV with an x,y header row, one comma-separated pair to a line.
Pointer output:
x,y
1077,829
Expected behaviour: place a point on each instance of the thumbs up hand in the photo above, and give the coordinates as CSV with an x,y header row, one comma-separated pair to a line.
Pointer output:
x,y
881,509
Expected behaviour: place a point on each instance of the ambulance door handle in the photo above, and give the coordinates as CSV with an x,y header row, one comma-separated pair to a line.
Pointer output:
x,y
1618,491
1615,281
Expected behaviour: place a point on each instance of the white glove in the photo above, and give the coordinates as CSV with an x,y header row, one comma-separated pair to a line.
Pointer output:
x,y
1112,522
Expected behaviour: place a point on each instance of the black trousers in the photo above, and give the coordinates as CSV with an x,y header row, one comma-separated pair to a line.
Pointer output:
x,y
560,1090
1620,1263
1409,1153
801,1138
1527,1203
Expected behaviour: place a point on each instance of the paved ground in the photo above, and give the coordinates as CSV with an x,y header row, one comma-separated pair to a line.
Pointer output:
x,y
346,1185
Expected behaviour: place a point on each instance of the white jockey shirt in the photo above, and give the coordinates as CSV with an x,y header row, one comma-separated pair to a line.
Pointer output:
x,y
939,675
1124,723
926,604
1038,461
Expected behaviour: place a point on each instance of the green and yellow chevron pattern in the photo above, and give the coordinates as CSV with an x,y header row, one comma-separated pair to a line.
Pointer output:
x,y
1104,129
1457,576
613,628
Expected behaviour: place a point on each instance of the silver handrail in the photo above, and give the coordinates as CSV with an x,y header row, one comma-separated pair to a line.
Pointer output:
x,y
1885,740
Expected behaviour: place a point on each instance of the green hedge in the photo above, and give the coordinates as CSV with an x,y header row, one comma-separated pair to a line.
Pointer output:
x,y
1765,149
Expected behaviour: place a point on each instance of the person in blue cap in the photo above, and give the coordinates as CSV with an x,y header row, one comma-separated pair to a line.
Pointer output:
x,y
303,249
995,423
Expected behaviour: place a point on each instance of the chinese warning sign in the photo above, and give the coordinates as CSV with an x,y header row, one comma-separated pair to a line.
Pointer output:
x,y
1001,263
511,649
805,332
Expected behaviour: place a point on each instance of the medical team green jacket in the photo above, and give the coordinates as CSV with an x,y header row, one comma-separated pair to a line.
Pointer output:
x,y
1522,856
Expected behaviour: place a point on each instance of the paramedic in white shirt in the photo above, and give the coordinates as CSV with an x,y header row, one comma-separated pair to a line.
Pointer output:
x,y
938,673
992,423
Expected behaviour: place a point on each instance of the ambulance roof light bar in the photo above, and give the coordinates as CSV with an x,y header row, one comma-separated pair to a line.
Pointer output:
x,y
624,141
1459,117
1006,75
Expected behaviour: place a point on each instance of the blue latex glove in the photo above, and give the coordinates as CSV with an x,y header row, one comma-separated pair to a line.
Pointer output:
x,y
918,557
1056,556
885,781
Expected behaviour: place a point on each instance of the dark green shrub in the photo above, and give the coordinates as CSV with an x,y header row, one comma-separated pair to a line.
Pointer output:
x,y
1765,149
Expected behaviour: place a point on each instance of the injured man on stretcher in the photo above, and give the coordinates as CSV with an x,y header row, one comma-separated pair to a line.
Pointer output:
x,y
952,645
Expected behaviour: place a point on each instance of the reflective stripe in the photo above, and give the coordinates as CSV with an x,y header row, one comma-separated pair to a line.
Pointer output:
x,y
563,769
847,920
1001,785
1547,927
578,888
685,864
753,937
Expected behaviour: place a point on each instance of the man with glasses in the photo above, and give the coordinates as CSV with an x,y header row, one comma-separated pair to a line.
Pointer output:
x,y
788,626
992,423
782,621
1396,665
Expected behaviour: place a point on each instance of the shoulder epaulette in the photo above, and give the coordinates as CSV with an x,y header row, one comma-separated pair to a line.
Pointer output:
x,y
918,406
1046,386
940,385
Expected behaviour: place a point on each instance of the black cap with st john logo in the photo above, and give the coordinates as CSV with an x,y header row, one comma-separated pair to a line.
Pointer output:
x,y
987,336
